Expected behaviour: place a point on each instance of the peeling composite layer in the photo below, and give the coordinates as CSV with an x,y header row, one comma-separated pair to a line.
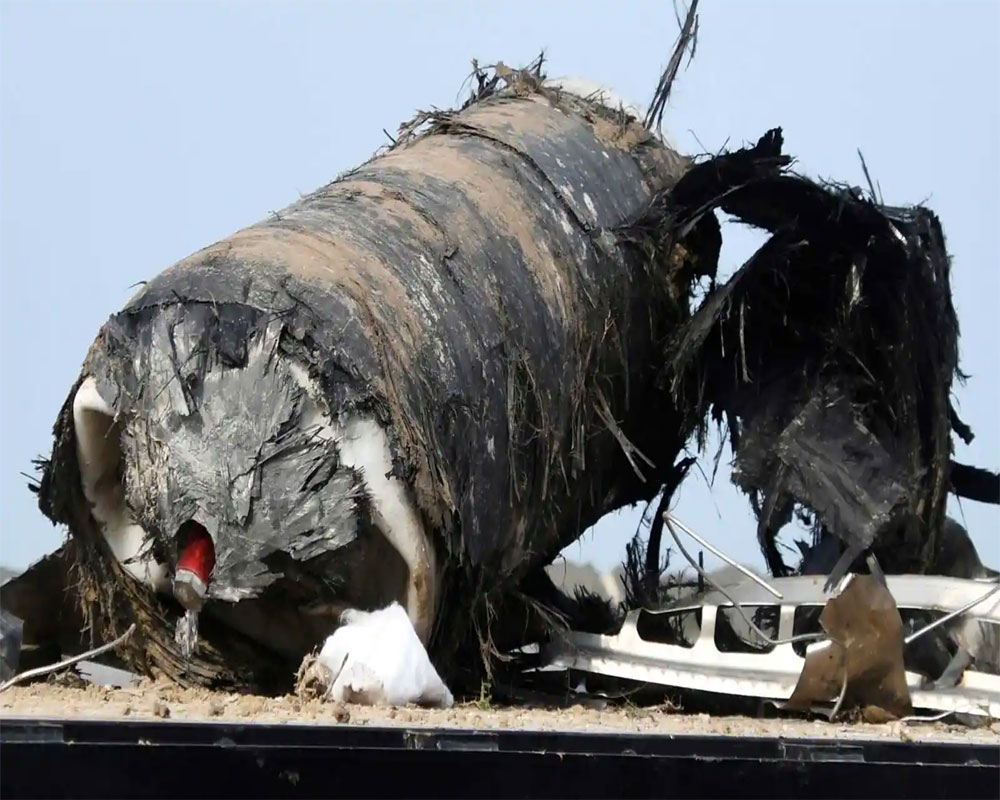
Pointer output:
x,y
830,357
474,301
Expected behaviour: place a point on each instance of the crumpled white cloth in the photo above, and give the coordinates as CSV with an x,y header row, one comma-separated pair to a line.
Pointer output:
x,y
376,658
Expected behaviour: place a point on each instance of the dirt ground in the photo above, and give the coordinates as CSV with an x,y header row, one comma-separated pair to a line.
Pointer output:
x,y
150,700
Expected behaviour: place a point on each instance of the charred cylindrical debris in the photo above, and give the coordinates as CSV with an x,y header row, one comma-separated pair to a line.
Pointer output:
x,y
423,380
450,348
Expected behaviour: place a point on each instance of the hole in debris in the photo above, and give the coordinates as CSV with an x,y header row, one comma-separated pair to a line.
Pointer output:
x,y
734,635
188,532
196,548
806,621
680,628
929,654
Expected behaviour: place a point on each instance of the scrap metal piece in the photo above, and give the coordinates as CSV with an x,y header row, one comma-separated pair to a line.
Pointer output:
x,y
633,654
51,622
862,662
952,614
641,652
839,469
27,675
671,520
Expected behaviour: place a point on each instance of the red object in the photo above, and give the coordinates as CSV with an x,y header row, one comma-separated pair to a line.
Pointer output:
x,y
194,568
199,553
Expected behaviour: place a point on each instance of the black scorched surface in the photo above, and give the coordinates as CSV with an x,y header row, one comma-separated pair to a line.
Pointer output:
x,y
829,355
478,289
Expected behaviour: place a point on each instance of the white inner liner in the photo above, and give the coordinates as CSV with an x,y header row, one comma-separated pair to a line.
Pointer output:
x,y
99,454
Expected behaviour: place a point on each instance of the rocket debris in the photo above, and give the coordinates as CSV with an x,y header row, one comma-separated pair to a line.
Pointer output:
x,y
754,639
425,379
415,384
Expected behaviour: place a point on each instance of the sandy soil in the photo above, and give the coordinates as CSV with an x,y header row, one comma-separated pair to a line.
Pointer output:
x,y
165,701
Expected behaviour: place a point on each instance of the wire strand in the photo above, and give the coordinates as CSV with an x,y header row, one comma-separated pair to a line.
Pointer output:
x,y
67,662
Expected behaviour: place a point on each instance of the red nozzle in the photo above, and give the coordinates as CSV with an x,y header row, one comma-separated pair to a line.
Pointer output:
x,y
199,553
194,567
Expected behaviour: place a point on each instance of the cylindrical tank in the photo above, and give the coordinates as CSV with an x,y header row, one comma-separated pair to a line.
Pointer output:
x,y
419,383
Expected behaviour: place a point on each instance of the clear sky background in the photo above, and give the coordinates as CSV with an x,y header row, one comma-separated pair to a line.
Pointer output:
x,y
134,133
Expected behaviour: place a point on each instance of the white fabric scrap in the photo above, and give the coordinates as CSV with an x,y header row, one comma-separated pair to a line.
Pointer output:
x,y
376,658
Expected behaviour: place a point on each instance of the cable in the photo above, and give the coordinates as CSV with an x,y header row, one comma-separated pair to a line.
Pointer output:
x,y
68,662
951,615
804,637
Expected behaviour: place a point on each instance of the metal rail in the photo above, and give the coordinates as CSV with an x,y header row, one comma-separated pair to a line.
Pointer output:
x,y
83,759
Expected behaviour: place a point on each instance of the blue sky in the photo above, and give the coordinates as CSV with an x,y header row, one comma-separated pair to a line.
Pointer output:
x,y
133,133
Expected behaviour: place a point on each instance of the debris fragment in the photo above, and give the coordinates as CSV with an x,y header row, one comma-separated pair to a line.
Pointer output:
x,y
312,682
375,658
49,610
829,356
411,389
68,662
861,663
10,644
418,383
742,640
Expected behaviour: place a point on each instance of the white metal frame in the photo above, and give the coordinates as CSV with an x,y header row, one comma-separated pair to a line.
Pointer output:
x,y
773,675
